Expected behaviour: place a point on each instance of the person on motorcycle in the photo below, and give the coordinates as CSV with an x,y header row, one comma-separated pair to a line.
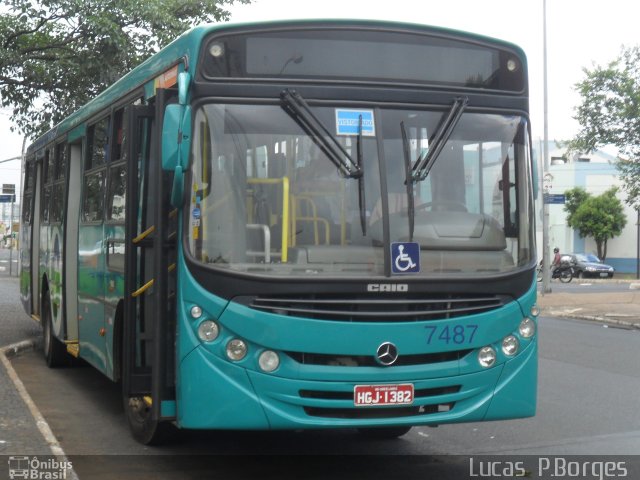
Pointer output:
x,y
556,260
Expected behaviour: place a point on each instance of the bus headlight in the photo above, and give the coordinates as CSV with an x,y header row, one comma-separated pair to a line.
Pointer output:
x,y
527,328
208,331
269,361
236,349
486,357
510,345
196,312
535,310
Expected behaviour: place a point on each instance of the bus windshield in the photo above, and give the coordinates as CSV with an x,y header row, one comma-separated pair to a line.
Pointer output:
x,y
265,198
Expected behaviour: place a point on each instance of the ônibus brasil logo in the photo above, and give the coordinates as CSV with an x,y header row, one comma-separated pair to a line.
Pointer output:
x,y
34,468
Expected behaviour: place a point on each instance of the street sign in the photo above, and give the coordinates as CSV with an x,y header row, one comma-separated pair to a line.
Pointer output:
x,y
9,188
7,198
554,198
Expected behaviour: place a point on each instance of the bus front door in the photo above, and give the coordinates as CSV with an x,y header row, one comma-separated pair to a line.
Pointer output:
x,y
148,327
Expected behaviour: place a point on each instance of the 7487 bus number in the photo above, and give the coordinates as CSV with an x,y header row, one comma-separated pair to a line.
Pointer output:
x,y
458,334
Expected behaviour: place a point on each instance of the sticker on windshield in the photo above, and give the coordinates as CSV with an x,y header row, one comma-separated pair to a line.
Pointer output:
x,y
405,257
348,122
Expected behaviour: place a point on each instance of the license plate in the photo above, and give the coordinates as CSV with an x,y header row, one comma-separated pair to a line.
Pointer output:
x,y
604,274
377,395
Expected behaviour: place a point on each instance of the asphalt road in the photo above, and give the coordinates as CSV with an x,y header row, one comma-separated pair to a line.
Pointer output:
x,y
8,262
589,384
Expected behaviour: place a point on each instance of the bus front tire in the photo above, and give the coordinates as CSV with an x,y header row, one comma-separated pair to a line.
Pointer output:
x,y
143,428
383,433
55,353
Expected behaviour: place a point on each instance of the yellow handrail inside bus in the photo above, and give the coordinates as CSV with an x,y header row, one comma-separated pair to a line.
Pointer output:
x,y
297,201
144,234
143,289
285,208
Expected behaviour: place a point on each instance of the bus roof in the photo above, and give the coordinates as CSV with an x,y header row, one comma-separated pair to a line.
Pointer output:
x,y
187,47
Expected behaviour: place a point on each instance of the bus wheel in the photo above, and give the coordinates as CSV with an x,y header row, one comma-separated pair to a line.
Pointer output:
x,y
55,353
143,428
383,433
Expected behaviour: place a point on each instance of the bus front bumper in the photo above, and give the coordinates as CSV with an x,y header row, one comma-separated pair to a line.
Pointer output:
x,y
218,394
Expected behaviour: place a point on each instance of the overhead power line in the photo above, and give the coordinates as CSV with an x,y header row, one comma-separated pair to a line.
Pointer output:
x,y
11,159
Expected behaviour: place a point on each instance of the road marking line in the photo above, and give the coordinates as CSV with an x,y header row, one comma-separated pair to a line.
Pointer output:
x,y
43,426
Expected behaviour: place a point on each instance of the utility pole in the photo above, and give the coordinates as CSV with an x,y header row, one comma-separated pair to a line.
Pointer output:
x,y
638,243
546,287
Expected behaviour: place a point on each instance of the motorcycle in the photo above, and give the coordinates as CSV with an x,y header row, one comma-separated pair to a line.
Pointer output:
x,y
564,272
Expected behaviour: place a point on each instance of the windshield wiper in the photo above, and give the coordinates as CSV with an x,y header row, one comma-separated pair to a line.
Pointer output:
x,y
361,199
426,160
298,109
411,211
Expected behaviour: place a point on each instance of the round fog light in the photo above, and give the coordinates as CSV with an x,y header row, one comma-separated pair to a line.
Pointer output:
x,y
236,349
196,311
487,357
527,328
269,361
510,345
208,331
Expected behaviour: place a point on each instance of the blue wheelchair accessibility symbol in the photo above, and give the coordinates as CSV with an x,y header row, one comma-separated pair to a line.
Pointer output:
x,y
405,257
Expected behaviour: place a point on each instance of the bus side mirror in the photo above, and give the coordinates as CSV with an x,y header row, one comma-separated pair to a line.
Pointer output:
x,y
185,138
176,144
170,136
177,191
184,81
176,137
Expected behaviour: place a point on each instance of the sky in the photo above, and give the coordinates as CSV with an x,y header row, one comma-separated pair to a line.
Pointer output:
x,y
580,33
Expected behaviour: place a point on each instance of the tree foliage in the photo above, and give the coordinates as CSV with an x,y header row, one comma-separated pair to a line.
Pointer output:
x,y
609,114
55,55
600,217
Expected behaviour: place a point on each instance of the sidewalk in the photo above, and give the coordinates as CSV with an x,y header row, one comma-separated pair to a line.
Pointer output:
x,y
19,430
619,308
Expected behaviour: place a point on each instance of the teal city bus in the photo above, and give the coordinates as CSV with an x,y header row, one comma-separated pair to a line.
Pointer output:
x,y
295,225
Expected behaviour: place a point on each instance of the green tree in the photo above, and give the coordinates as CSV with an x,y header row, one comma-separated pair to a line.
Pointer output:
x,y
609,114
574,198
55,55
599,217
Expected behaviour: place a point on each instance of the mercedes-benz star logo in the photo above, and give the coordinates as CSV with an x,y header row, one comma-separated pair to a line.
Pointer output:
x,y
387,354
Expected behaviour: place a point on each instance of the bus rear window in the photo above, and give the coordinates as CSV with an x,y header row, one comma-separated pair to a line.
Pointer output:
x,y
363,55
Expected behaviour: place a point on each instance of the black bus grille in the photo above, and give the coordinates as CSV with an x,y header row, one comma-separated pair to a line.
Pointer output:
x,y
337,360
373,308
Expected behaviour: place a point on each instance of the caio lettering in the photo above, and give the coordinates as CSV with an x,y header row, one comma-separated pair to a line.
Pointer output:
x,y
387,287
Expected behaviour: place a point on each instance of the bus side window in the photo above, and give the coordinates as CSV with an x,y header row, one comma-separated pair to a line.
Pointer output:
x,y
92,209
117,182
28,191
117,190
95,171
60,168
98,144
49,171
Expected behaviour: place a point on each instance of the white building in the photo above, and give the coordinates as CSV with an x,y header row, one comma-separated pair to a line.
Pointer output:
x,y
596,173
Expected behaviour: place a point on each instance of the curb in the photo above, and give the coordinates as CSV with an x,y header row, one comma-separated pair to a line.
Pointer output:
x,y
11,351
593,318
